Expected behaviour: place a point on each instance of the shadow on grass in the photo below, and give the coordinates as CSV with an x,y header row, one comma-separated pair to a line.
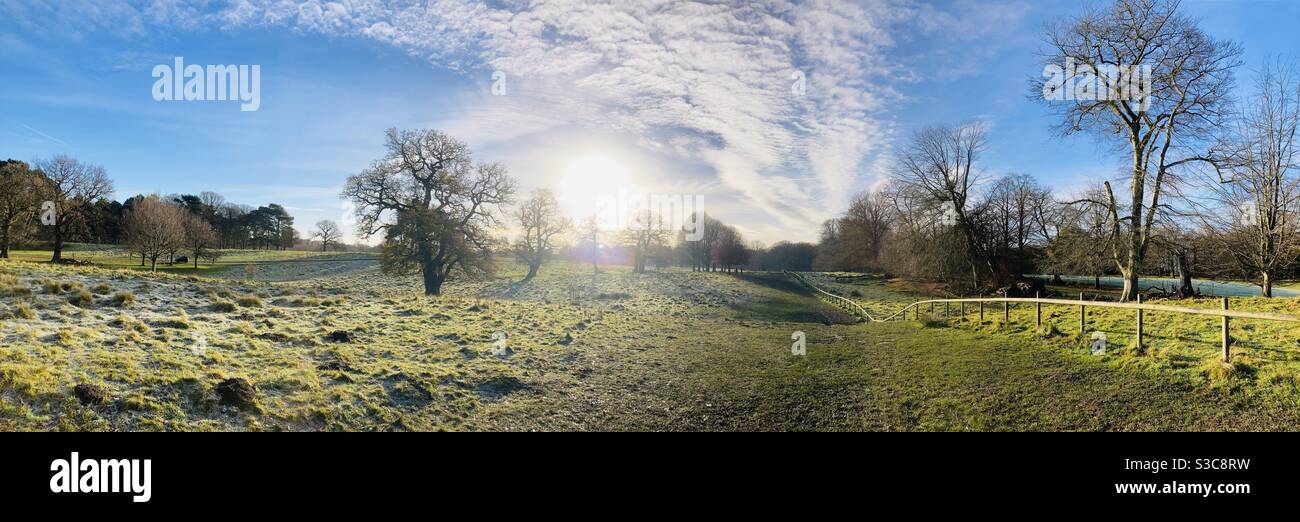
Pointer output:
x,y
793,303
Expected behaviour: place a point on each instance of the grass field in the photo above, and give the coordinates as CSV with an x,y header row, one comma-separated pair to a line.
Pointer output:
x,y
342,347
256,265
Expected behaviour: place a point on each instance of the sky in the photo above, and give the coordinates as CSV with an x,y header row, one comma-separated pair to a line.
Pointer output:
x,y
774,113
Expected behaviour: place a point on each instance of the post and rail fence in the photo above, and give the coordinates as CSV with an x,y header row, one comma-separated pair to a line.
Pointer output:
x,y
1139,308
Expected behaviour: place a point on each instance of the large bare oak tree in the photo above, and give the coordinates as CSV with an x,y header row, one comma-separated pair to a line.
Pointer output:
x,y
1165,127
434,206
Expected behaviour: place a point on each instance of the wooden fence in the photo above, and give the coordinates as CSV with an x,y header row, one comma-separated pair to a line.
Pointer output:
x,y
1139,308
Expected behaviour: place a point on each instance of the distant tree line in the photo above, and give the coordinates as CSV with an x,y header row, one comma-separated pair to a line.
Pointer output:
x,y
73,201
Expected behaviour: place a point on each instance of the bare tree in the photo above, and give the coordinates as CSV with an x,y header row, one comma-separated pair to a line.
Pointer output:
x,y
647,233
1166,125
936,169
542,222
1015,206
155,228
72,186
700,251
328,233
434,206
200,238
19,202
855,240
1261,195
730,252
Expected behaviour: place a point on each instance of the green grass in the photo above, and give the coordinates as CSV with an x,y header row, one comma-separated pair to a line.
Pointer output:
x,y
665,350
230,264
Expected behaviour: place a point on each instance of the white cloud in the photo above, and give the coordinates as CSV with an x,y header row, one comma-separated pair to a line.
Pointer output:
x,y
708,82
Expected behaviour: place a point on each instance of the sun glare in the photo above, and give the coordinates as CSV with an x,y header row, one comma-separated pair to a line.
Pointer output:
x,y
588,178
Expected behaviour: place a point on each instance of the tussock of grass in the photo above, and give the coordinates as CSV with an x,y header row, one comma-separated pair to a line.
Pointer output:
x,y
223,306
1222,374
249,301
15,290
81,297
24,311
123,299
934,323
180,321
1048,331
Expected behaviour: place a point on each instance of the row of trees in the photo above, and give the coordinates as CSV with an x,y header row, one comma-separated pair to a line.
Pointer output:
x,y
72,199
1212,188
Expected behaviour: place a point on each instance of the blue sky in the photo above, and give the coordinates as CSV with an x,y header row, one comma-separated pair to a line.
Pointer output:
x,y
685,98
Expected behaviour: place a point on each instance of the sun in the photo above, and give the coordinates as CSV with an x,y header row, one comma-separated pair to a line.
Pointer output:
x,y
589,178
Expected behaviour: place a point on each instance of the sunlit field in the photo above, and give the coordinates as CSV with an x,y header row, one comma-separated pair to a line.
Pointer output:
x,y
94,348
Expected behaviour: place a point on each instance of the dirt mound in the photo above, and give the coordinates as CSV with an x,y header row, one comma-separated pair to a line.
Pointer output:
x,y
237,392
90,394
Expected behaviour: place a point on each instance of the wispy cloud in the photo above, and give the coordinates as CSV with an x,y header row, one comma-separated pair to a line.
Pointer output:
x,y
708,82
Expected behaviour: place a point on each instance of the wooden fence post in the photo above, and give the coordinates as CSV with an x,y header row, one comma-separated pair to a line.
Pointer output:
x,y
1083,316
1139,324
981,311
1006,312
1227,355
963,310
946,311
1038,310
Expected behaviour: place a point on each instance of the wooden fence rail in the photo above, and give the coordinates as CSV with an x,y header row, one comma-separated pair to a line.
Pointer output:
x,y
1139,308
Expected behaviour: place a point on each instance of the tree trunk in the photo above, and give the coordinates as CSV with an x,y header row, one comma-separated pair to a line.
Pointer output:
x,y
1130,285
1184,274
1267,284
1056,279
153,264
196,260
532,271
432,281
58,247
